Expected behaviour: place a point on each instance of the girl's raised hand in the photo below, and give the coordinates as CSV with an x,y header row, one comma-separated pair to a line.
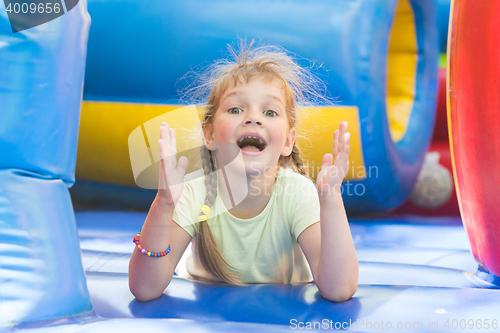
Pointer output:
x,y
171,172
331,175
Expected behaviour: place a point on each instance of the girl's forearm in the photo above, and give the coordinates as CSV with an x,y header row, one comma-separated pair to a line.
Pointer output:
x,y
148,277
338,264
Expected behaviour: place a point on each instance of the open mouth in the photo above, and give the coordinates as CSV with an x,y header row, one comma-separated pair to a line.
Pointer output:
x,y
251,143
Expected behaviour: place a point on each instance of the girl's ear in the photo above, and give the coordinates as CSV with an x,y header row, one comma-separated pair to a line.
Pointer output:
x,y
290,140
208,136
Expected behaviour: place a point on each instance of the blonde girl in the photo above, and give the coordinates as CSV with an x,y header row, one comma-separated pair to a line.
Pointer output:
x,y
285,229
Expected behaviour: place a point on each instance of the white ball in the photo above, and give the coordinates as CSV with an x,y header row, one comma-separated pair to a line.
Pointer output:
x,y
434,184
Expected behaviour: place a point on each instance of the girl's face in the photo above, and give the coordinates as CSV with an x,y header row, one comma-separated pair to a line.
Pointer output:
x,y
252,115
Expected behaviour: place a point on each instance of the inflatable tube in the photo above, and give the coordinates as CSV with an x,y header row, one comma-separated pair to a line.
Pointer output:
x,y
41,84
440,145
474,115
380,57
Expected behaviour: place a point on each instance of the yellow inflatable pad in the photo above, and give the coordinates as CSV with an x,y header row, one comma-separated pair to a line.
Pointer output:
x,y
119,140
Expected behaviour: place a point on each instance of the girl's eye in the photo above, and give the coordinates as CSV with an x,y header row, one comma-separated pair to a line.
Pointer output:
x,y
235,110
270,113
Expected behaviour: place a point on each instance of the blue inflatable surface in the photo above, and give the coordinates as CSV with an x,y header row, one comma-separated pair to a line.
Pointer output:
x,y
414,271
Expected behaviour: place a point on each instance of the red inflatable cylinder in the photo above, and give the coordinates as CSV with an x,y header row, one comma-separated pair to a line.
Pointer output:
x,y
474,123
441,123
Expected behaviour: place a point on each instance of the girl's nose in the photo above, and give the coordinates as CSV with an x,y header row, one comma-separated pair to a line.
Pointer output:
x,y
253,118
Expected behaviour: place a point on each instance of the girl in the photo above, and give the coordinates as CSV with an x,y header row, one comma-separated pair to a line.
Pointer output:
x,y
274,235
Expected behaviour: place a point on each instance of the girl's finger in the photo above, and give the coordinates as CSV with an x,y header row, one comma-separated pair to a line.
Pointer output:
x,y
166,155
327,161
173,140
347,142
347,146
182,165
335,143
341,137
343,161
164,130
343,126
163,133
163,149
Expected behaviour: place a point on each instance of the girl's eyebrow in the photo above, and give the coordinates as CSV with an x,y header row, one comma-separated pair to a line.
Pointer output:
x,y
275,97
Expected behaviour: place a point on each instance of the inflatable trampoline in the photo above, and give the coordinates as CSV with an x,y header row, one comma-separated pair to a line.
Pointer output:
x,y
62,271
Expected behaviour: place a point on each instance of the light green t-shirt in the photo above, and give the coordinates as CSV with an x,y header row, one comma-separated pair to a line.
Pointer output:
x,y
264,247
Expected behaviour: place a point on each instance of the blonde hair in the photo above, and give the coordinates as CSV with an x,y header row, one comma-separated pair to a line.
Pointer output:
x,y
301,88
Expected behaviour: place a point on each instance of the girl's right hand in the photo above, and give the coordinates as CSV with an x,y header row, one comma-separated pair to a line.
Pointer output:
x,y
171,172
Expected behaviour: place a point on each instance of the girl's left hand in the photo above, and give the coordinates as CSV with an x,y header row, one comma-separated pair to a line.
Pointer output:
x,y
331,175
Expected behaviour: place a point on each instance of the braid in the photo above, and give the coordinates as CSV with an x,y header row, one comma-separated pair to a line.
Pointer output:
x,y
295,161
209,168
210,256
298,161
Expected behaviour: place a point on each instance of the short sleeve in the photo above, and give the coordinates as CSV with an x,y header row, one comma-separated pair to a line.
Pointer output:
x,y
304,207
185,212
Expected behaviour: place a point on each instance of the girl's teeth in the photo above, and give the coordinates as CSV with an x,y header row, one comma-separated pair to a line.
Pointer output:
x,y
256,143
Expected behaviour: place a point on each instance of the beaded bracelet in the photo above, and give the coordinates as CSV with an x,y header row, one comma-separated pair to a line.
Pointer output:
x,y
144,251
